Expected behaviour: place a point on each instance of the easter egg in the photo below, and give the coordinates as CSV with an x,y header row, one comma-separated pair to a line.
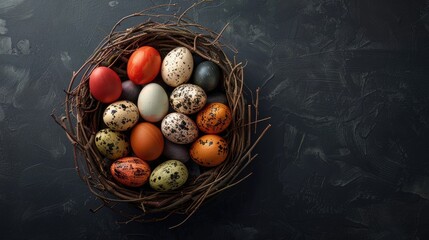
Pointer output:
x,y
179,128
177,66
169,175
214,118
153,102
105,85
112,144
146,141
188,98
143,65
209,150
130,171
130,91
176,151
207,75
121,115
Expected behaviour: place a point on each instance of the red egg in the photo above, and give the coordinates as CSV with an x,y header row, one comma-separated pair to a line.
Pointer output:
x,y
147,141
130,171
105,85
144,65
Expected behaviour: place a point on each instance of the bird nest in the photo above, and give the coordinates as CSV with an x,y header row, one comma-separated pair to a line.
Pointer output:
x,y
81,118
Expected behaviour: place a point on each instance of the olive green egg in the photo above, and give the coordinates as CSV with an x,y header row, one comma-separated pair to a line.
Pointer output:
x,y
112,144
169,175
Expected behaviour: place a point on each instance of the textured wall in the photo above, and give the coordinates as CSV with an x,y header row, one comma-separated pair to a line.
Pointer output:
x,y
344,81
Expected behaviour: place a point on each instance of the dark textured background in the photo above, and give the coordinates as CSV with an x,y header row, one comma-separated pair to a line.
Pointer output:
x,y
346,84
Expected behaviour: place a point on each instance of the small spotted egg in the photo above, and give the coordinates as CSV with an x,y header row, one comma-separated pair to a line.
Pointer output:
x,y
130,171
177,66
112,144
188,98
209,150
121,115
214,118
169,175
179,128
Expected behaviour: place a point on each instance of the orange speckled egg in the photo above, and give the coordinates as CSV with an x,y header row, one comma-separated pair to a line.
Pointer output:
x,y
209,150
130,171
214,118
147,141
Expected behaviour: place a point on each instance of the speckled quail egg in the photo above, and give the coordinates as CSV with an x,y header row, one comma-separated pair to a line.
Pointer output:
x,y
112,144
121,115
179,128
188,98
177,66
169,175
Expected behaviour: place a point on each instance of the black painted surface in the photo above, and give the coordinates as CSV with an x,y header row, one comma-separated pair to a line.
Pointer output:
x,y
344,81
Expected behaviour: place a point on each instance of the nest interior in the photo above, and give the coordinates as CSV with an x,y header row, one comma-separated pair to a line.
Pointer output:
x,y
81,119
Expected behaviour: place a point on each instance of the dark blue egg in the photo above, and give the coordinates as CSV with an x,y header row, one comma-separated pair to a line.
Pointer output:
x,y
197,59
207,75
217,97
130,91
175,151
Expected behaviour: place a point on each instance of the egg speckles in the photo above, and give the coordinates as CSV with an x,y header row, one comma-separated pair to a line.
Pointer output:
x,y
188,98
177,66
169,175
214,118
112,144
179,128
121,115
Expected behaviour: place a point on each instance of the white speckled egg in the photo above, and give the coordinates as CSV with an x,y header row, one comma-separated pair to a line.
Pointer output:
x,y
153,102
169,175
121,115
179,128
112,144
188,98
177,66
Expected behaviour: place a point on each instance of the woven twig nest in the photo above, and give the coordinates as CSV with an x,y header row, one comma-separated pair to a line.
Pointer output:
x,y
83,113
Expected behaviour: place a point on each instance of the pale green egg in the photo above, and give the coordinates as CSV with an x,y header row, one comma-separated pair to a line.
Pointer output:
x,y
169,175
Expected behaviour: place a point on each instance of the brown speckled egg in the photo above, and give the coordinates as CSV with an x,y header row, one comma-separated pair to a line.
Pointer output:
x,y
121,115
177,66
188,98
214,118
209,150
112,144
130,171
179,128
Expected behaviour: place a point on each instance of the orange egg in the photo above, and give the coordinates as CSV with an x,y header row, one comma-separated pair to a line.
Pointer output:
x,y
209,150
214,118
130,171
147,141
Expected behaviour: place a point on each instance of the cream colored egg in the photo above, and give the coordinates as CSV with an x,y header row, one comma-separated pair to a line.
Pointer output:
x,y
188,98
179,128
169,175
112,144
153,102
177,66
121,115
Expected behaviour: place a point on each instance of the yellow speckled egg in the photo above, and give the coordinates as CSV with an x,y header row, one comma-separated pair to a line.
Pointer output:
x,y
121,115
214,118
209,150
169,175
112,144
